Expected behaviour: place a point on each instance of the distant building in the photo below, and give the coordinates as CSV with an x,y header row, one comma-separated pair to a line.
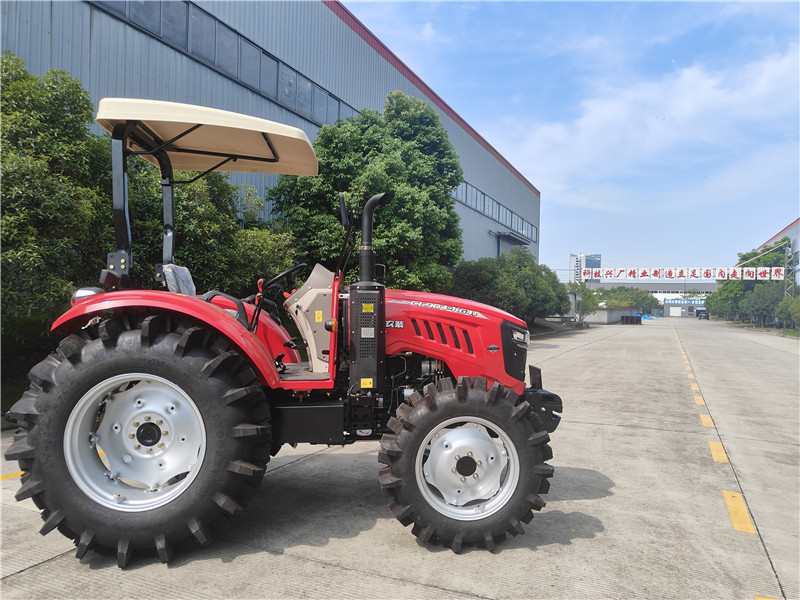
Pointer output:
x,y
579,262
791,231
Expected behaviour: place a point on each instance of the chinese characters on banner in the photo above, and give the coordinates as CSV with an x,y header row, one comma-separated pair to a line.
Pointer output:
x,y
733,273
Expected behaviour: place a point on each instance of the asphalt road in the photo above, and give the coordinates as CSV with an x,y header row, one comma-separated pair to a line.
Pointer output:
x,y
677,476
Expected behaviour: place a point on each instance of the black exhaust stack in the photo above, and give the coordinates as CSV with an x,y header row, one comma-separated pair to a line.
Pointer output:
x,y
367,322
366,255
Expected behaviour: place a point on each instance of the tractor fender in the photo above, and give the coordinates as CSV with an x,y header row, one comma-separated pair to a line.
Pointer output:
x,y
146,301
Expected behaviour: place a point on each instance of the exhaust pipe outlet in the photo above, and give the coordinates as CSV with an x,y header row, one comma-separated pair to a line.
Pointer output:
x,y
366,255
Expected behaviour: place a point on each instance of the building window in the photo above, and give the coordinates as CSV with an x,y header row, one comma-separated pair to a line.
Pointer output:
x,y
147,15
250,65
269,76
305,96
320,105
227,55
202,33
471,196
483,200
173,23
287,86
333,110
185,26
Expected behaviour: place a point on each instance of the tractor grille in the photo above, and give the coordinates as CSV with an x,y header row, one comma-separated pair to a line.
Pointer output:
x,y
443,334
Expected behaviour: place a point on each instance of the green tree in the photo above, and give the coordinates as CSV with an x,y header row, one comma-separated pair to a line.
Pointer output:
x,y
589,299
55,220
628,297
788,311
208,239
405,151
760,302
725,300
512,282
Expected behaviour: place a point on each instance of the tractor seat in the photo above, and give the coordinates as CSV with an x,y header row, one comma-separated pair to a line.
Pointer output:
x,y
179,280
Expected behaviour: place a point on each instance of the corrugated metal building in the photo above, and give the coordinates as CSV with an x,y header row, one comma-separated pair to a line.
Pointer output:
x,y
303,63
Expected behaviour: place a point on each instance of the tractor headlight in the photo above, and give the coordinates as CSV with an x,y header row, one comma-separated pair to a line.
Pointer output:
x,y
520,336
82,294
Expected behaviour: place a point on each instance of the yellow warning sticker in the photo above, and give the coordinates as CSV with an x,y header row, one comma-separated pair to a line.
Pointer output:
x,y
318,316
366,383
368,307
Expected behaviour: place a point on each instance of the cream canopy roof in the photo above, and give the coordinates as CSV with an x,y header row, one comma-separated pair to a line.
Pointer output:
x,y
256,145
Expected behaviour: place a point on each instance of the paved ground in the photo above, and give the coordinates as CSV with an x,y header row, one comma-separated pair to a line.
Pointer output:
x,y
639,506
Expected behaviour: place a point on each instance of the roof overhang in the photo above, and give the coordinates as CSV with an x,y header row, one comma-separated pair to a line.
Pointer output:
x,y
513,237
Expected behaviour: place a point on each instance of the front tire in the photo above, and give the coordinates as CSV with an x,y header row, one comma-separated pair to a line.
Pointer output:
x,y
139,435
465,465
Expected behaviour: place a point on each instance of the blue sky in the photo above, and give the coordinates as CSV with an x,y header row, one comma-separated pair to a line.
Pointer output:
x,y
659,133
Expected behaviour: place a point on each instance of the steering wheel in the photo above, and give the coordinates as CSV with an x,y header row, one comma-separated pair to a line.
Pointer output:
x,y
284,279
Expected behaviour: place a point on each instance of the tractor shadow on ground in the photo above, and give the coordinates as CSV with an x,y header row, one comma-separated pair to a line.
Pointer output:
x,y
556,527
312,499
337,496
552,526
333,494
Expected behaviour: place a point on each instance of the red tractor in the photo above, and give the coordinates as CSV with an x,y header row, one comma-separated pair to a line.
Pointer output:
x,y
159,410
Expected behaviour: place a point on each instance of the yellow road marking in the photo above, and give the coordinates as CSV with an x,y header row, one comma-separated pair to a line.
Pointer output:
x,y
737,510
762,598
686,362
706,421
688,368
690,375
718,452
695,387
11,475
699,400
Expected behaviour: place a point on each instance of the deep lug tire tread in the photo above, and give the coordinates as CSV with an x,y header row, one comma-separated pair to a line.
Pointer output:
x,y
438,403
42,411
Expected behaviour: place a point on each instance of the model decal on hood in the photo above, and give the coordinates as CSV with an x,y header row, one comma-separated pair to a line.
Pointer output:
x,y
444,307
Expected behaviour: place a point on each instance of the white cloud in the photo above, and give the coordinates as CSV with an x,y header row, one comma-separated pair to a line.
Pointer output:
x,y
428,32
662,130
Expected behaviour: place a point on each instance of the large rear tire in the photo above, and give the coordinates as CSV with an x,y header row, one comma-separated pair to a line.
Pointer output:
x,y
139,435
465,465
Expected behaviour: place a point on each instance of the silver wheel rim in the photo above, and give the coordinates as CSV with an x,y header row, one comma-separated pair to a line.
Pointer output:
x,y
467,468
134,442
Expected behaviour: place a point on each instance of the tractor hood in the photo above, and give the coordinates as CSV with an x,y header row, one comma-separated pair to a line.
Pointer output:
x,y
473,339
436,304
